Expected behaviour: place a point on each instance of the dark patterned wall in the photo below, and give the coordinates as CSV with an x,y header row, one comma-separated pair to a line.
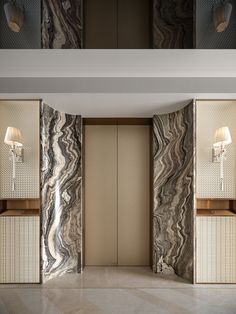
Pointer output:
x,y
30,35
173,24
61,175
173,212
57,24
62,24
206,36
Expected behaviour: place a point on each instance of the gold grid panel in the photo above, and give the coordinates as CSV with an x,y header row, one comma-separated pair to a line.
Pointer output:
x,y
216,249
19,250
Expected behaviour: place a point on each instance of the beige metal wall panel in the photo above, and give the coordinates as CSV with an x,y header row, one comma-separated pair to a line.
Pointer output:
x,y
133,195
101,195
19,250
216,249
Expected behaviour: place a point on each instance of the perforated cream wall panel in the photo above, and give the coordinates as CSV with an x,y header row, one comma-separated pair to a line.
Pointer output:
x,y
216,249
211,116
25,116
19,250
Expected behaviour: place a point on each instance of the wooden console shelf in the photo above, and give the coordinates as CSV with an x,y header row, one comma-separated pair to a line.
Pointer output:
x,y
216,207
19,207
20,212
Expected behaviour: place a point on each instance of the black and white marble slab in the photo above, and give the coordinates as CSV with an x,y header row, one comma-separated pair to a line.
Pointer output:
x,y
61,200
173,183
173,24
62,24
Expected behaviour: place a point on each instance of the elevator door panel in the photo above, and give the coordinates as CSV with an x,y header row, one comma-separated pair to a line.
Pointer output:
x,y
117,205
101,195
133,195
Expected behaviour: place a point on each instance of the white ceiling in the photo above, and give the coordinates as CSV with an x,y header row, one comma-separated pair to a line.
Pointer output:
x,y
103,83
117,105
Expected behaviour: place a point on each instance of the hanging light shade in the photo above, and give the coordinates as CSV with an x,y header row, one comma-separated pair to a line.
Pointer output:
x,y
14,16
13,137
222,137
221,16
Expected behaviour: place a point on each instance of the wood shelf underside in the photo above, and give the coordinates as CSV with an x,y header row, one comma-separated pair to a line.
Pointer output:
x,y
216,207
19,207
20,212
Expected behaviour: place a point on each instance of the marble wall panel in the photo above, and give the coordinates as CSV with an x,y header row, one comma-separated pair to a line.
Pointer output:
x,y
61,199
173,208
62,24
173,24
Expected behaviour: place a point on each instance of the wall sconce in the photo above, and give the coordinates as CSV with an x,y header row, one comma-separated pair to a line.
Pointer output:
x,y
14,16
222,139
221,16
13,138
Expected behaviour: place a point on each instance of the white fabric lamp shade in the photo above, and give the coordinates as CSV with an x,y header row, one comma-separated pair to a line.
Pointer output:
x,y
222,137
13,137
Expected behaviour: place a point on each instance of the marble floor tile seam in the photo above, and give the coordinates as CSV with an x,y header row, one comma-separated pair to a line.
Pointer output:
x,y
117,288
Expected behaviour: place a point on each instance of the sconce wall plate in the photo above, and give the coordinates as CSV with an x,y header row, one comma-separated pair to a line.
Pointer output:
x,y
216,154
19,155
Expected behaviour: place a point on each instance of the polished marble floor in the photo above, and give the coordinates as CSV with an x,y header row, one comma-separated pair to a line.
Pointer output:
x,y
117,290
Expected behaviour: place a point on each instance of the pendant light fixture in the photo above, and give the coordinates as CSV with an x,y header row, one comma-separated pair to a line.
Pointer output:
x,y
14,16
221,16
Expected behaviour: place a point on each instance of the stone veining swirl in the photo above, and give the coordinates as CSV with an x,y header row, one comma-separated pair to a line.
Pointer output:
x,y
60,192
62,23
172,24
173,211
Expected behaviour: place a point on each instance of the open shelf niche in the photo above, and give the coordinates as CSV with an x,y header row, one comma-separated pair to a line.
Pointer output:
x,y
216,207
20,207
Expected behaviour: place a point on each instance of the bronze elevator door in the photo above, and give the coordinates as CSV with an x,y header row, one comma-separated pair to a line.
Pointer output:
x,y
117,202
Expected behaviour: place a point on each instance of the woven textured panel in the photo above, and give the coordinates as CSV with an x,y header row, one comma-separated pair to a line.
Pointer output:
x,y
25,116
19,250
209,118
30,35
206,36
216,249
